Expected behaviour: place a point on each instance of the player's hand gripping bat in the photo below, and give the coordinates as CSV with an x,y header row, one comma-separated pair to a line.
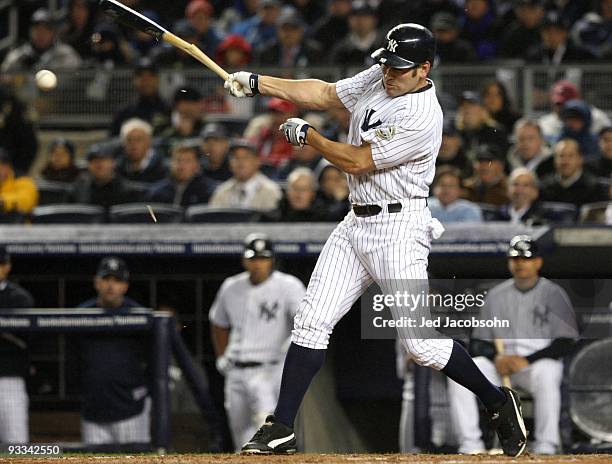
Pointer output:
x,y
499,347
133,19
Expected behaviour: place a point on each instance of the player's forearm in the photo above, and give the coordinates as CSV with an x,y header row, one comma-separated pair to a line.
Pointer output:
x,y
349,158
309,93
558,348
220,339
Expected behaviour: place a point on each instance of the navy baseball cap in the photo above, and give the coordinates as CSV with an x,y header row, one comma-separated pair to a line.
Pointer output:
x,y
242,143
146,64
5,256
42,16
471,97
187,94
113,266
97,151
489,153
214,130
257,246
290,17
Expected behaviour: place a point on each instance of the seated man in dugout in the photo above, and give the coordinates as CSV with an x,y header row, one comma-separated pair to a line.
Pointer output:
x,y
542,331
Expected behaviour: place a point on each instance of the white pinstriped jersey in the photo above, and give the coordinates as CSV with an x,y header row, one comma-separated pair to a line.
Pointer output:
x,y
260,317
405,134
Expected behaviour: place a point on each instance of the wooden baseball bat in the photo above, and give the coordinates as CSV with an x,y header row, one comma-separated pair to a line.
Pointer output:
x,y
499,347
131,18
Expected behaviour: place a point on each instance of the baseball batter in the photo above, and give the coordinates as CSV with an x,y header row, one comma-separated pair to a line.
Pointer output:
x,y
251,320
542,331
394,136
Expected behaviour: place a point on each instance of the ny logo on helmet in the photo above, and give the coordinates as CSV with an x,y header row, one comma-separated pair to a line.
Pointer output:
x,y
392,45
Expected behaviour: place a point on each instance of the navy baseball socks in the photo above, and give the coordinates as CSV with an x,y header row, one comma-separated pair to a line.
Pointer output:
x,y
276,435
503,404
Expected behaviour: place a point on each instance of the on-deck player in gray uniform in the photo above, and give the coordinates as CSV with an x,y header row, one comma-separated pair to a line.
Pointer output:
x,y
542,330
251,320
394,137
14,362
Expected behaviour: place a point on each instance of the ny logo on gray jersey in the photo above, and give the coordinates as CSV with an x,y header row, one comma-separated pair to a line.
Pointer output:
x,y
540,315
268,311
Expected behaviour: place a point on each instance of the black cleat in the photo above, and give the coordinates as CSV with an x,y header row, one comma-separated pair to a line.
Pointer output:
x,y
507,420
271,438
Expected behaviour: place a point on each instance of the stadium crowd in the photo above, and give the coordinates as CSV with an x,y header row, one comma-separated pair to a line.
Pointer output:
x,y
499,164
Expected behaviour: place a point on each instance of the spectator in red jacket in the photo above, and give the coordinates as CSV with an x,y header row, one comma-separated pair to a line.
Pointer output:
x,y
272,146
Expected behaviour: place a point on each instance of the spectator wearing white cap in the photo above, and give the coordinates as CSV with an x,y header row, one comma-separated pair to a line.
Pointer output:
x,y
139,161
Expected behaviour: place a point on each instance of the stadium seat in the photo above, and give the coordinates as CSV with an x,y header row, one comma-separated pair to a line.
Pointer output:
x,y
77,213
50,192
138,213
594,213
11,217
205,213
559,213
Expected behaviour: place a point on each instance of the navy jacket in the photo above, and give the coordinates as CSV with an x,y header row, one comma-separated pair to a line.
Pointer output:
x,y
113,369
199,190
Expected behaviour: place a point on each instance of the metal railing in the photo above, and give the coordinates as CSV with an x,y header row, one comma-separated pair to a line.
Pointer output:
x,y
89,97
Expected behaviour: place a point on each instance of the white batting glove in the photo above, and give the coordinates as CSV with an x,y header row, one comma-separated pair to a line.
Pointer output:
x,y
242,84
295,130
223,365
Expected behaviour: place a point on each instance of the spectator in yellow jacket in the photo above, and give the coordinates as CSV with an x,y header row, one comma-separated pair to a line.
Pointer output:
x,y
17,194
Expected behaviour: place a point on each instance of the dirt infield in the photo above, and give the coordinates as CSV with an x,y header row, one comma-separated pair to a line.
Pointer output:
x,y
308,459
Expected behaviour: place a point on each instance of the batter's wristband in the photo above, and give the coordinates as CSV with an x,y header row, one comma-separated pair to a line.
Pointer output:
x,y
304,132
254,83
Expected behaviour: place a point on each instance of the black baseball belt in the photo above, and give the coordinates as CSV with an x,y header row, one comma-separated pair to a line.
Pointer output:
x,y
247,364
373,210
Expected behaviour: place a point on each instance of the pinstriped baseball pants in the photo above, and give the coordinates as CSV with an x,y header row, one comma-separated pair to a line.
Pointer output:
x,y
390,249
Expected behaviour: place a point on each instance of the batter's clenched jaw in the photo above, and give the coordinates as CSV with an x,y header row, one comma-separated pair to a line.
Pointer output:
x,y
402,81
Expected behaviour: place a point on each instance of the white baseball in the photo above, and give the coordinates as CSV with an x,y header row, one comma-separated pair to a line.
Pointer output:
x,y
46,80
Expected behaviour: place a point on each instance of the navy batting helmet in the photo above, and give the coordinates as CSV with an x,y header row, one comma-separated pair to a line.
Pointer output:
x,y
258,246
407,46
522,246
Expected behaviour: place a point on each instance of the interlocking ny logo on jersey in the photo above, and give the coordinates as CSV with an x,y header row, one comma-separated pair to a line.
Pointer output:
x,y
366,126
540,315
392,45
267,311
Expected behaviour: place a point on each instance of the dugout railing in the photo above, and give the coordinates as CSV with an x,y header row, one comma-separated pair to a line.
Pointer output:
x,y
88,97
164,341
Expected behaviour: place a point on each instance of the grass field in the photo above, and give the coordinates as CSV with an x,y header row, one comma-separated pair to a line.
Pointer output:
x,y
307,458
